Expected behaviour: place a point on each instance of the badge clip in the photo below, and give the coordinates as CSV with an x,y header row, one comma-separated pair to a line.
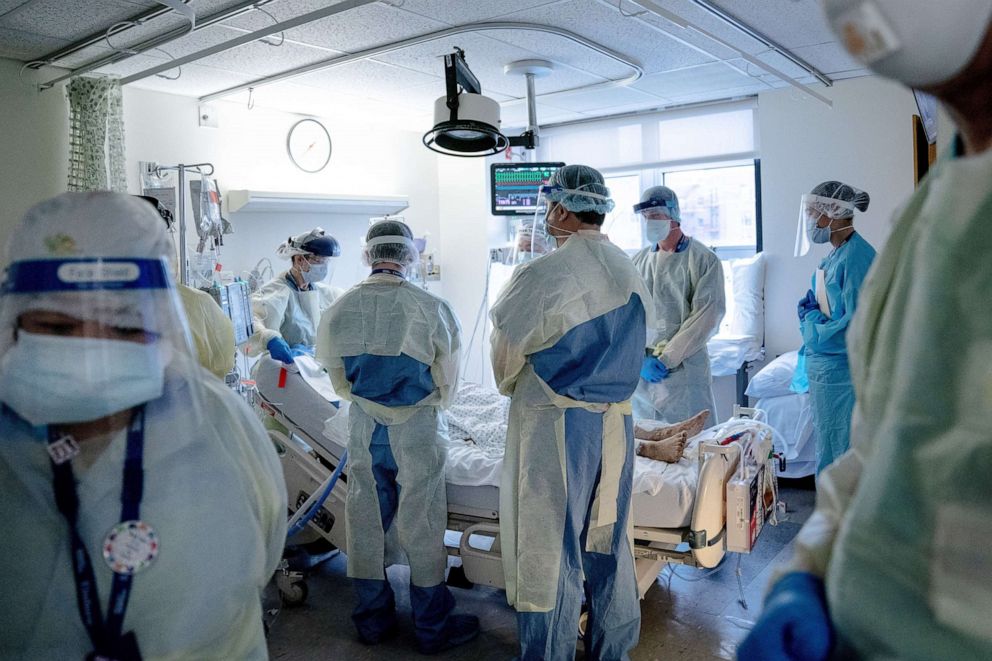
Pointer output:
x,y
63,450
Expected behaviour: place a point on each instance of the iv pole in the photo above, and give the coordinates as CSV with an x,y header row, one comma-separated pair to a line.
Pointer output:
x,y
182,169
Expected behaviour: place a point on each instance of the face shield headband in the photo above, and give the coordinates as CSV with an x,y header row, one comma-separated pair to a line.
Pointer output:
x,y
86,274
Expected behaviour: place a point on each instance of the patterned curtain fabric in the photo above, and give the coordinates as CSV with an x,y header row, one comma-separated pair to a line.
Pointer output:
x,y
96,135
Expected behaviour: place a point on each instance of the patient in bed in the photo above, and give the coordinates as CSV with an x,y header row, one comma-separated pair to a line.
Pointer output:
x,y
667,443
478,415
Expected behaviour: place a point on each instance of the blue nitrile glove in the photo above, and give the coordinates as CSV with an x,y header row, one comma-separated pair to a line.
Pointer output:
x,y
794,623
807,305
279,350
302,350
653,370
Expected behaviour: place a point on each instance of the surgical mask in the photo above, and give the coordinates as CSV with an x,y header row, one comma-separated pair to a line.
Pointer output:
x,y
49,379
657,231
917,42
819,234
317,273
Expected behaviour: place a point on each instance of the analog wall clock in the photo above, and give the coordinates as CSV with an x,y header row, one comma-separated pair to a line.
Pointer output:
x,y
309,145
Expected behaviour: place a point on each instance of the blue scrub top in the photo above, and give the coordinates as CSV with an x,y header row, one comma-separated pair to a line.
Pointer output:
x,y
845,269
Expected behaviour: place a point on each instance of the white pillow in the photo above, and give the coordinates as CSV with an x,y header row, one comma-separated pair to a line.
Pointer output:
x,y
744,287
774,378
749,296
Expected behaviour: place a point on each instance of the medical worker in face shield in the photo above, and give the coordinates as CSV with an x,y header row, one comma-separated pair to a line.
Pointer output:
x,y
211,330
392,349
286,310
894,562
827,216
143,506
686,282
568,339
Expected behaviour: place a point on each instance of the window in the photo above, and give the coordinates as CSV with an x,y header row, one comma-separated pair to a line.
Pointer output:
x,y
718,204
622,225
719,207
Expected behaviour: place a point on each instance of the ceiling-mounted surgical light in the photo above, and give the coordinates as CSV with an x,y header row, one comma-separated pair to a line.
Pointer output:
x,y
466,123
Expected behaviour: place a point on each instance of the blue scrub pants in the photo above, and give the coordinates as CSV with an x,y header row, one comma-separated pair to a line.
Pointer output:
x,y
610,586
832,395
375,614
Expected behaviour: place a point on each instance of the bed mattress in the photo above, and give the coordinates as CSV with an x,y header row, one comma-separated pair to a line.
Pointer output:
x,y
663,493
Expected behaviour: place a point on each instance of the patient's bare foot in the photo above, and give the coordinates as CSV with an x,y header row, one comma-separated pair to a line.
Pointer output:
x,y
692,426
668,450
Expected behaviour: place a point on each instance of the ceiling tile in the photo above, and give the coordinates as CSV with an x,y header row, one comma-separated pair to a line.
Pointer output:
x,y
782,64
350,31
486,57
854,73
616,99
701,18
706,78
262,59
375,79
7,6
514,116
459,12
67,20
25,46
828,58
562,51
603,24
791,23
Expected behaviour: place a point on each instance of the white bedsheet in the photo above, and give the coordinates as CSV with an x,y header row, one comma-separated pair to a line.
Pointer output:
x,y
728,352
672,487
315,376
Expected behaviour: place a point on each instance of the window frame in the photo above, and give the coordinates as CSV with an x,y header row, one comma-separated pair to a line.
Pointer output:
x,y
654,175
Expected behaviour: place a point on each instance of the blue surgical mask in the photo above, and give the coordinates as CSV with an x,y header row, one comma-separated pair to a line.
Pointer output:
x,y
317,273
819,234
50,379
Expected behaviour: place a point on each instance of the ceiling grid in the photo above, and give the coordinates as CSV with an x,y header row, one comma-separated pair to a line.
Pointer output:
x,y
680,65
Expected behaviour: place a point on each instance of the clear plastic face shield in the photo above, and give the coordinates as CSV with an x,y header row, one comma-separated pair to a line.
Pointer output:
x,y
811,229
315,268
532,239
86,338
656,219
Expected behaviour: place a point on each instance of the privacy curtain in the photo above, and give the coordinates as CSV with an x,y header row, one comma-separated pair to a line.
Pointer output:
x,y
96,135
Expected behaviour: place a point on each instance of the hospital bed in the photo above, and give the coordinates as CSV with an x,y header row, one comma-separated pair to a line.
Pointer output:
x,y
679,510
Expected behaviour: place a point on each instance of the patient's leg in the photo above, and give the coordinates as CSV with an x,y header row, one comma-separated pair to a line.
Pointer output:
x,y
692,426
668,450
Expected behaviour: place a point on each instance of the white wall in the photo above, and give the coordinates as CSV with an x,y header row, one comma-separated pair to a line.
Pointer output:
x,y
248,151
865,140
34,132
465,239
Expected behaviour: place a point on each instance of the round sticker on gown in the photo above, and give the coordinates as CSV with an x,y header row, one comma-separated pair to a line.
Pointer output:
x,y
130,547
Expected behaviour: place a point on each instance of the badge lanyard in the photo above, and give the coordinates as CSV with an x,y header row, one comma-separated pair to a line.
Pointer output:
x,y
103,635
398,274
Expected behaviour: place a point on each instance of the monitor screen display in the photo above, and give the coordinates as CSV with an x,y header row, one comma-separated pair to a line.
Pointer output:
x,y
515,186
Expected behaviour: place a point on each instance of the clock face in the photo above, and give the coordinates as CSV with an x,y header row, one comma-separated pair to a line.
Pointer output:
x,y
309,145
